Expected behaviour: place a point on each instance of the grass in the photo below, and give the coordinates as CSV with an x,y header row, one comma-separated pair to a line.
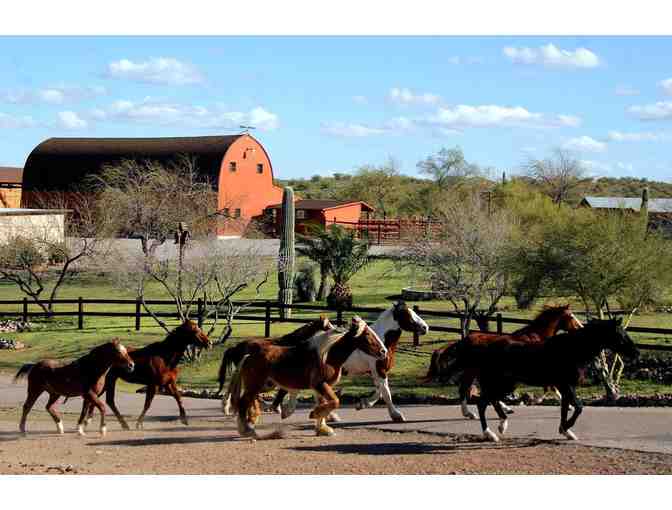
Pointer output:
x,y
373,286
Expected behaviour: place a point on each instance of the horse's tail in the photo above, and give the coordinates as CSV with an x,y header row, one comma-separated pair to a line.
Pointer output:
x,y
444,363
224,368
23,372
236,385
433,370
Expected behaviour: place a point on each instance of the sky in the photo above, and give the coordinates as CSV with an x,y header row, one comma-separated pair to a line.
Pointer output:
x,y
333,104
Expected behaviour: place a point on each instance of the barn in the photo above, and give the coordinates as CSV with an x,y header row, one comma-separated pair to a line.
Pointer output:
x,y
322,213
10,186
237,166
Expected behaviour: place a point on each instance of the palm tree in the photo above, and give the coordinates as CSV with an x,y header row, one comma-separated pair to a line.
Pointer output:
x,y
316,248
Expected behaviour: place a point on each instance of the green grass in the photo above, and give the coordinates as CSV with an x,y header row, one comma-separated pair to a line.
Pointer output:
x,y
60,339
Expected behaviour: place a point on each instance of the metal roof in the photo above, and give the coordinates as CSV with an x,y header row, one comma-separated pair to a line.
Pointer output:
x,y
656,205
320,205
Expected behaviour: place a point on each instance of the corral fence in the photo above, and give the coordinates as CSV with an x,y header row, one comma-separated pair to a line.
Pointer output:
x,y
392,231
268,312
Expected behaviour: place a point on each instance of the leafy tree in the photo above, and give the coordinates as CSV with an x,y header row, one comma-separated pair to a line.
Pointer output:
x,y
379,186
448,168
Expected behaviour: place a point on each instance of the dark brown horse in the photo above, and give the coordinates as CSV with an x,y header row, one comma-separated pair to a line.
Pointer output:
x,y
84,377
156,366
315,365
557,362
548,323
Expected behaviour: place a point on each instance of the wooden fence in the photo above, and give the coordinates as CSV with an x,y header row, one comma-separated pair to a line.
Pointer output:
x,y
265,310
388,231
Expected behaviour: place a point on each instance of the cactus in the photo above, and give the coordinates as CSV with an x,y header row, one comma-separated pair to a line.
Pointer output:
x,y
644,210
286,255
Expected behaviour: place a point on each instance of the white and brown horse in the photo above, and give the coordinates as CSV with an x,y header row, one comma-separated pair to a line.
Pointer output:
x,y
316,365
389,326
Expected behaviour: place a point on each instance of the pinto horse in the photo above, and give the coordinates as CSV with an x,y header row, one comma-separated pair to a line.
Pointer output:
x,y
156,366
234,355
83,377
558,361
389,326
315,365
548,323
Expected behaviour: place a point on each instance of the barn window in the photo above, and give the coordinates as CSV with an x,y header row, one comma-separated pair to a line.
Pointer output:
x,y
236,214
232,166
260,168
300,214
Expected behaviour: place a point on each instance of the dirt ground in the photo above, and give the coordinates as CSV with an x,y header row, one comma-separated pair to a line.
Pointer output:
x,y
212,446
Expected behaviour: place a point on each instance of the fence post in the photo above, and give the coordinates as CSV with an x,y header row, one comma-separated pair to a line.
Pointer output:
x,y
267,320
339,317
416,335
137,314
199,311
500,328
80,313
378,233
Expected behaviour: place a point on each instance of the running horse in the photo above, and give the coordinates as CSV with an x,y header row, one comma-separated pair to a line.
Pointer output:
x,y
558,362
83,377
389,326
316,364
156,366
549,322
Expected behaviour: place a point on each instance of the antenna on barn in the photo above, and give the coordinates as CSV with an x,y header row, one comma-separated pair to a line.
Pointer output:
x,y
246,129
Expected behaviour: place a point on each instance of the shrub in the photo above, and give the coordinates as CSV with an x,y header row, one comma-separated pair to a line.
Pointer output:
x,y
305,282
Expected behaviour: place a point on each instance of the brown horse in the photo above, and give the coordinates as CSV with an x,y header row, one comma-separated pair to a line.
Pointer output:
x,y
548,323
312,365
156,366
84,377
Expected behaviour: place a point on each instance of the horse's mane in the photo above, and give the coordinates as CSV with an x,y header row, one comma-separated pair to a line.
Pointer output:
x,y
547,311
324,341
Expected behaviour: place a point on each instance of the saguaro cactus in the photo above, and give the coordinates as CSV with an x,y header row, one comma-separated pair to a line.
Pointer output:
x,y
286,255
644,209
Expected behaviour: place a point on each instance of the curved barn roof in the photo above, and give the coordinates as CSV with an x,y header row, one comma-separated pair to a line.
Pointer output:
x,y
60,163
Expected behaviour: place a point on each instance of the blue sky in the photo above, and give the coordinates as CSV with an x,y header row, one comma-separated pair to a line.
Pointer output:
x,y
329,104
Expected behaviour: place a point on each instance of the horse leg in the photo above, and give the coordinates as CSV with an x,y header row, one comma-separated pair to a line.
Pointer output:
x,y
85,416
287,409
101,407
149,396
110,387
276,406
53,398
569,397
172,388
383,385
466,382
482,405
246,413
33,395
503,416
321,411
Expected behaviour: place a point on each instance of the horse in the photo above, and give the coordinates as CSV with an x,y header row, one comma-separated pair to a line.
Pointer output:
x,y
549,322
233,355
558,362
389,326
83,377
156,366
316,364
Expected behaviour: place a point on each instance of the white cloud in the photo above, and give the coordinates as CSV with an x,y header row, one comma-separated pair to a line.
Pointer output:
x,y
666,85
569,120
163,71
626,90
552,56
596,167
407,96
642,136
462,116
70,120
662,110
8,121
57,94
351,130
585,144
457,60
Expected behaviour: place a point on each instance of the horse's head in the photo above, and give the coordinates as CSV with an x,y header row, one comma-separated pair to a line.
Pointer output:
x,y
366,339
324,323
568,321
191,334
408,320
121,357
615,337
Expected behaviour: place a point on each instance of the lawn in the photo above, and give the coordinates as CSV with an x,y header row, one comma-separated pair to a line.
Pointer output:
x,y
374,286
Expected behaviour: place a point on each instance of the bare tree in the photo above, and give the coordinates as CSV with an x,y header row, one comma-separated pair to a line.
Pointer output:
x,y
49,250
557,175
463,260
448,167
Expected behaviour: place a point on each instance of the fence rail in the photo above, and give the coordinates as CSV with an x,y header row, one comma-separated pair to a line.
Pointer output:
x,y
266,307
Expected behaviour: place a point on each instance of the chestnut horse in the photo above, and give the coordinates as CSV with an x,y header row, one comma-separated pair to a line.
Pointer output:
x,y
557,362
233,355
83,377
315,365
548,323
389,326
156,366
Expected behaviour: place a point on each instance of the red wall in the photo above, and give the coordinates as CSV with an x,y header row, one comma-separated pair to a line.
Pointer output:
x,y
246,189
350,213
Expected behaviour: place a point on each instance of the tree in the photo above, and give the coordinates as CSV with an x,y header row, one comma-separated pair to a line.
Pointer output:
x,y
557,175
49,251
379,186
463,260
316,247
448,168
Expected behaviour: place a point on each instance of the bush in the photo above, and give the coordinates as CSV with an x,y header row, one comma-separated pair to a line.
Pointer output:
x,y
305,283
56,253
21,253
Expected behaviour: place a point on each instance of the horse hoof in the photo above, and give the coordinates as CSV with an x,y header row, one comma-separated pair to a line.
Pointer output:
x,y
509,410
285,412
311,416
59,427
569,434
80,430
334,418
103,431
325,430
503,425
360,405
490,436
470,415
398,418
184,421
125,426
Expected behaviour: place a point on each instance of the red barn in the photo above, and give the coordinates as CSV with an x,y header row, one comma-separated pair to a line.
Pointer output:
x,y
322,213
237,166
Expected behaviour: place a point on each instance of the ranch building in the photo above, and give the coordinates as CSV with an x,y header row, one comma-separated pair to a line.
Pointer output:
x,y
10,186
321,213
659,209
